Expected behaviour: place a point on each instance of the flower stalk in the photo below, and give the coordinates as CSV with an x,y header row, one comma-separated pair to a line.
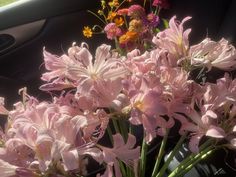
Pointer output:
x,y
171,156
193,156
91,12
143,159
184,168
160,154
109,132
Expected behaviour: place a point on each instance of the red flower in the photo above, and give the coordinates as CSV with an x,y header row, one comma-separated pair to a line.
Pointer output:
x,y
162,3
123,11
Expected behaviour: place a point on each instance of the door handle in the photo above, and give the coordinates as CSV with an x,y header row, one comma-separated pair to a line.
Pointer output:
x,y
15,36
6,41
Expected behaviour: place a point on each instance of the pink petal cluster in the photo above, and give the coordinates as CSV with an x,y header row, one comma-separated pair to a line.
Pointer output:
x,y
210,54
136,12
156,92
214,102
174,40
112,31
41,134
3,110
100,79
14,171
121,151
153,20
162,3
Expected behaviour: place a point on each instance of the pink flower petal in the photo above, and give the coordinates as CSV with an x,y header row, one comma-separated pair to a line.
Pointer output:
x,y
215,132
194,143
211,114
70,160
233,142
6,169
3,110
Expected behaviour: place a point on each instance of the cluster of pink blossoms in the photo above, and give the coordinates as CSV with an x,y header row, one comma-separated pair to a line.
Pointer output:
x,y
132,27
153,89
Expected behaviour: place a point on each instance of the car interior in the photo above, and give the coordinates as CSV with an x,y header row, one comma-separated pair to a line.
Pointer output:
x,y
27,26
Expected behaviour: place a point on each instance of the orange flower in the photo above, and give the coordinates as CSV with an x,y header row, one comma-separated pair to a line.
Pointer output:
x,y
111,15
136,25
87,32
132,35
119,21
129,36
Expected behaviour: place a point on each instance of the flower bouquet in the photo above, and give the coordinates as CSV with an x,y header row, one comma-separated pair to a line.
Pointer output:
x,y
113,106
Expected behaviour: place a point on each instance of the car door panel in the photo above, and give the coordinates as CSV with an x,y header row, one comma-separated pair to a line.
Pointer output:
x,y
26,11
20,34
21,64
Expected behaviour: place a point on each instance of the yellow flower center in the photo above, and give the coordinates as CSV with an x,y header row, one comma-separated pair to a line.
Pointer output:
x,y
94,76
139,105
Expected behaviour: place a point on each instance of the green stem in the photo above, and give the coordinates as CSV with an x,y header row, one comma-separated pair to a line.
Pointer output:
x,y
117,45
116,127
193,155
123,129
156,10
160,154
143,158
172,154
120,5
183,169
110,134
195,162
144,3
122,168
99,27
130,172
131,130
97,16
159,10
126,23
104,16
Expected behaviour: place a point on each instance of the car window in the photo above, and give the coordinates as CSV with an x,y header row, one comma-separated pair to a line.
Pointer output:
x,y
6,2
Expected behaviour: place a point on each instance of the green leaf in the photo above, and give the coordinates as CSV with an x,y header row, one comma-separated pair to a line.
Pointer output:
x,y
166,23
157,30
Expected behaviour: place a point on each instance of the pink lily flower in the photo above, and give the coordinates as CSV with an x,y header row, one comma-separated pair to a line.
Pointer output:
x,y
122,151
99,78
42,133
57,66
210,54
204,125
3,110
147,106
9,170
210,121
174,39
